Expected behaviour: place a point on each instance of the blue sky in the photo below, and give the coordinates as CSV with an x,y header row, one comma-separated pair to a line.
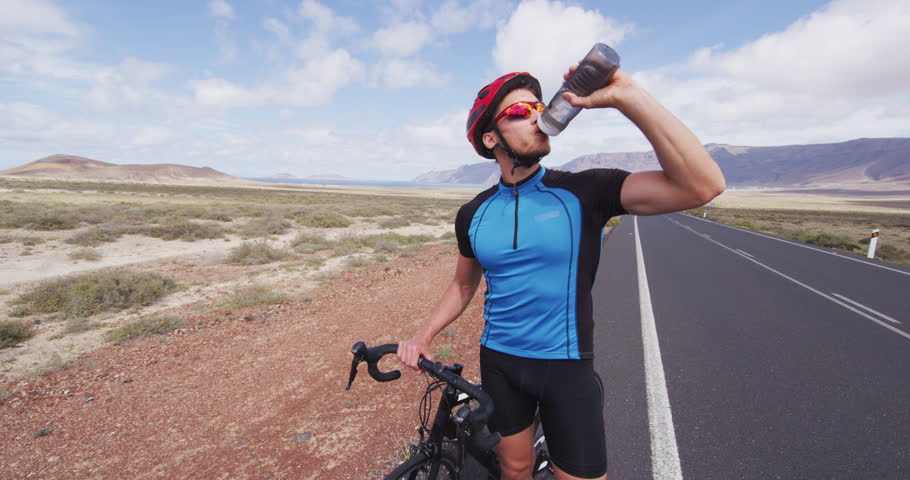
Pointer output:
x,y
381,89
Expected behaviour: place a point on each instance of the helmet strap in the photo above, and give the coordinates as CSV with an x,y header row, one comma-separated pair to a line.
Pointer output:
x,y
526,161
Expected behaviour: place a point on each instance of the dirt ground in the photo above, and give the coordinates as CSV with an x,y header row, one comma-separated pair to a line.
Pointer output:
x,y
239,393
258,393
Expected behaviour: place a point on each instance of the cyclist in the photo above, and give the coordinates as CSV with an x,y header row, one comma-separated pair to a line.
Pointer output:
x,y
536,239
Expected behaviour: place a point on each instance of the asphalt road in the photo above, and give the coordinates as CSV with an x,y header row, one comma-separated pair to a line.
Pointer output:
x,y
771,363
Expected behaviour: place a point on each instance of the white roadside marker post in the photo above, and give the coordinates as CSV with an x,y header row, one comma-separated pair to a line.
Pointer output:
x,y
872,242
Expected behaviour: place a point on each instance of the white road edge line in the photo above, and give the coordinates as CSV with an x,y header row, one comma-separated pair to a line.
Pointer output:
x,y
870,310
800,245
665,463
801,284
742,252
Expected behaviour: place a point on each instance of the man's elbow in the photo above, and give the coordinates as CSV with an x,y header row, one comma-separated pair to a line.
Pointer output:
x,y
709,191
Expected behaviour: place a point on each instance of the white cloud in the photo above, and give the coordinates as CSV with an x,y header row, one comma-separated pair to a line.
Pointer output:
x,y
324,19
321,25
221,9
36,17
278,28
453,16
25,123
313,84
152,135
35,35
446,131
402,73
131,83
402,40
223,14
561,36
847,49
834,75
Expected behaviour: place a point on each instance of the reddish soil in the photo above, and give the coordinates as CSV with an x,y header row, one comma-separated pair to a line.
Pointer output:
x,y
257,393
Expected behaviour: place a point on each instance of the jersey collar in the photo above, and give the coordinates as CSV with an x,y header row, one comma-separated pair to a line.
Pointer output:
x,y
524,184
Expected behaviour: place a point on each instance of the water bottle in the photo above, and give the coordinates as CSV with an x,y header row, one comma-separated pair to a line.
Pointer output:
x,y
593,73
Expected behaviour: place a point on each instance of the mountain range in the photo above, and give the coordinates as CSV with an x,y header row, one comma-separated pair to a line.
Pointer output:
x,y
863,161
858,161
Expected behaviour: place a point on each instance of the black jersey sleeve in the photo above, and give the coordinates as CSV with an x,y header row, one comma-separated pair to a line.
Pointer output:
x,y
609,187
598,188
462,223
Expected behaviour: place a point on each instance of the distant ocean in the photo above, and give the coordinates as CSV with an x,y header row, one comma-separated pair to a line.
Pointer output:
x,y
367,183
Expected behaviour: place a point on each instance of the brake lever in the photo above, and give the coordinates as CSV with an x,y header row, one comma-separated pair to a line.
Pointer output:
x,y
359,351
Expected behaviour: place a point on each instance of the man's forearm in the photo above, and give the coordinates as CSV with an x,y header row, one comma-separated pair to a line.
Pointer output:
x,y
454,301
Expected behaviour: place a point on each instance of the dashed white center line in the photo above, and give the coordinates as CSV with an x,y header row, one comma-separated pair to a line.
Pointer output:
x,y
742,252
860,305
801,284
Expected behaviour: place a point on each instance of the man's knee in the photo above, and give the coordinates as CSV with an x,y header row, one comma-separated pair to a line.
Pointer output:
x,y
516,455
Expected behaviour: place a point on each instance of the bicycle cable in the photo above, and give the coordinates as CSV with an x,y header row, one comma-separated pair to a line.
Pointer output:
x,y
425,408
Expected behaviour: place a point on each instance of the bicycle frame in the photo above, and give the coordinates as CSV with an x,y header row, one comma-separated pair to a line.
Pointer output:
x,y
465,429
446,426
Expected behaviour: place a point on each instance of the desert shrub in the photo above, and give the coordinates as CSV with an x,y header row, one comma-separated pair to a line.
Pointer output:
x,y
411,250
830,240
448,238
256,253
20,311
315,262
52,222
373,241
386,245
13,332
614,222
264,227
358,261
394,222
323,220
6,239
309,243
891,253
99,234
145,327
81,296
254,295
86,254
78,325
184,230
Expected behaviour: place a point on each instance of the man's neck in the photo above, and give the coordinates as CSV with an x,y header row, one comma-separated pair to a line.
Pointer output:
x,y
520,174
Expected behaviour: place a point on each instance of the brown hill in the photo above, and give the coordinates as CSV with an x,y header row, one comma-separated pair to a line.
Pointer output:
x,y
72,167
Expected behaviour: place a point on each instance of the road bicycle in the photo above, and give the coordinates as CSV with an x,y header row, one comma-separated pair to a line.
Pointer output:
x,y
458,444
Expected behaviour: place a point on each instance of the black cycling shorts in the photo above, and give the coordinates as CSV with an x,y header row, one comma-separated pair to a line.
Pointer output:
x,y
570,397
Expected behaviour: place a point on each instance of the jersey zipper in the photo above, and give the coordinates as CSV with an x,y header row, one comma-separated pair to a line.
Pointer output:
x,y
515,234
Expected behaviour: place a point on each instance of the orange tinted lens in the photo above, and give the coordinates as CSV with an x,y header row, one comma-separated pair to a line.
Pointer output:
x,y
520,109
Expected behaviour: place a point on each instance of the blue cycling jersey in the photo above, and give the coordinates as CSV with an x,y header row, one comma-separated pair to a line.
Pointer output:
x,y
539,245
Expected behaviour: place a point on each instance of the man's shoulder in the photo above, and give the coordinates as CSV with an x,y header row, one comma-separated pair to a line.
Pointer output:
x,y
558,178
480,198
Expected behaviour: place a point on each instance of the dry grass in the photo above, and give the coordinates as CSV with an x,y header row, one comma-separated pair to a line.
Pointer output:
x,y
257,253
846,231
14,332
254,295
85,295
145,327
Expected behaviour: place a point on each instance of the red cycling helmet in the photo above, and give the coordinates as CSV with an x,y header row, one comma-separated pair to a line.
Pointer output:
x,y
488,98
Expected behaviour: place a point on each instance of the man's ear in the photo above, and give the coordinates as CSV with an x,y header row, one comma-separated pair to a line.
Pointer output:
x,y
490,140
